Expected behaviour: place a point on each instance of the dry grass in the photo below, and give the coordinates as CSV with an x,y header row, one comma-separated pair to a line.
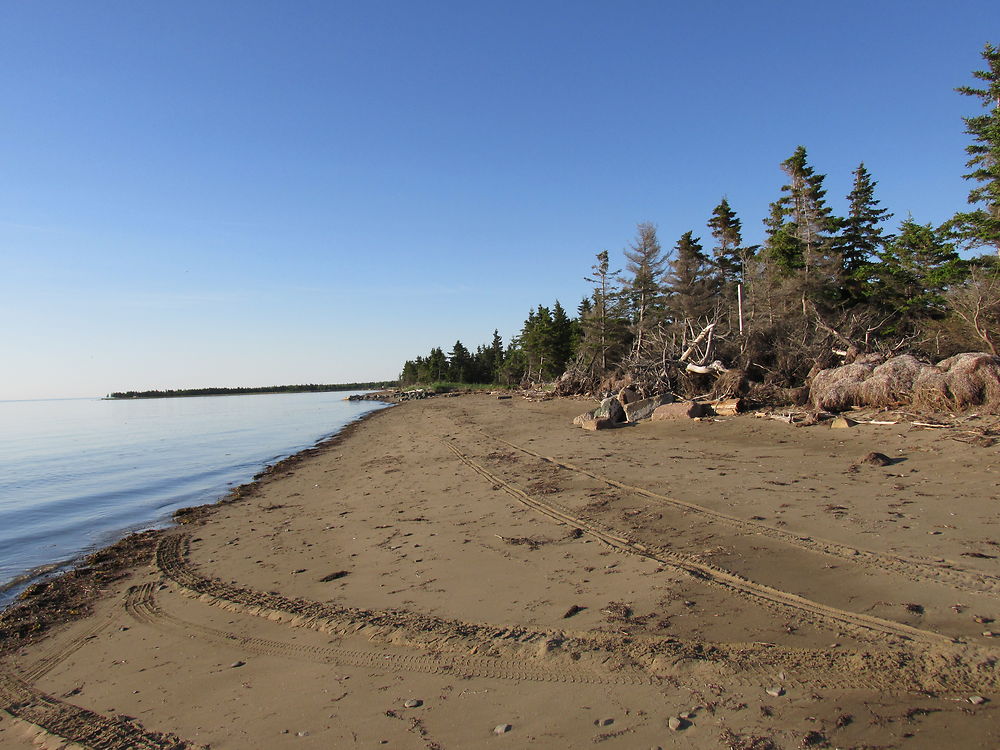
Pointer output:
x,y
965,381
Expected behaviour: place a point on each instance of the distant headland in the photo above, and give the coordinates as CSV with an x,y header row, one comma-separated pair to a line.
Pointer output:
x,y
308,388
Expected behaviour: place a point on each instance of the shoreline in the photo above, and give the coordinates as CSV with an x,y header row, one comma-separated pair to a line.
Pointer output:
x,y
495,567
66,584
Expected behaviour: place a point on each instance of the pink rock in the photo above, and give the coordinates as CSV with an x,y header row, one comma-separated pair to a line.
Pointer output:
x,y
680,410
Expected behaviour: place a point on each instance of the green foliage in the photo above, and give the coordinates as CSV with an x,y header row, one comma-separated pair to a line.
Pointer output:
x,y
801,226
861,237
913,273
729,255
691,283
981,227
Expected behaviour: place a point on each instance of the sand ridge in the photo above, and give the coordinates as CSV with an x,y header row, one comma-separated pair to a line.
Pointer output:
x,y
497,566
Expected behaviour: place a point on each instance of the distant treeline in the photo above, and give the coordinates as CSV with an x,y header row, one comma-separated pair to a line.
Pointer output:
x,y
309,388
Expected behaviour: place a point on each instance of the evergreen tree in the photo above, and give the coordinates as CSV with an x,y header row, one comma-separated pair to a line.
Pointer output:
x,y
913,273
801,225
981,227
409,374
600,323
728,252
690,283
642,289
861,236
560,343
437,365
459,364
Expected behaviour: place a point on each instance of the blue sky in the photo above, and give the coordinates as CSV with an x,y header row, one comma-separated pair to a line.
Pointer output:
x,y
253,193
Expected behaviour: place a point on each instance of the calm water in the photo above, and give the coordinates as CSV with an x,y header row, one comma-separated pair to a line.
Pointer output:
x,y
79,474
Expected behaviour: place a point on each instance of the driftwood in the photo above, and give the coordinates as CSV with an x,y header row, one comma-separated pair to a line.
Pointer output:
x,y
729,407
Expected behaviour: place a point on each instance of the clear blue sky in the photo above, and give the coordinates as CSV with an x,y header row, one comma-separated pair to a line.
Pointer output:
x,y
253,193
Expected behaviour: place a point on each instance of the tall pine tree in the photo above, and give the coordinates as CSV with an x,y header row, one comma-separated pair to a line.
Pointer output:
x,y
800,231
691,284
981,227
861,236
729,254
642,287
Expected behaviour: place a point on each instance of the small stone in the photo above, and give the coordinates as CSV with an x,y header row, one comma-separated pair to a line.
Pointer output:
x,y
875,459
977,700
604,722
687,715
676,723
413,703
775,692
842,423
236,664
502,728
989,633
302,734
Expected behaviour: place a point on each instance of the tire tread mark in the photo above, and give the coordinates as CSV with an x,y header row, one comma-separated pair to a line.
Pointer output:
x,y
894,668
80,725
818,614
914,569
140,604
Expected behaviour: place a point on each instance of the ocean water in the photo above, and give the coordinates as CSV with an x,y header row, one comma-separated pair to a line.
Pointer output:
x,y
78,474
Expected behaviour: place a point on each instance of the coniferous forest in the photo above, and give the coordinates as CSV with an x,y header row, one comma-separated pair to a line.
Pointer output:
x,y
705,311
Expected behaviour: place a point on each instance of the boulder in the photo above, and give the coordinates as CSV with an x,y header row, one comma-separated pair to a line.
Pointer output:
x,y
644,409
598,423
610,408
627,396
680,410
580,419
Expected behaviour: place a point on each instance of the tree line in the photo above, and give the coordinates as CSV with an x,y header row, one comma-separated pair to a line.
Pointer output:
x,y
307,388
819,290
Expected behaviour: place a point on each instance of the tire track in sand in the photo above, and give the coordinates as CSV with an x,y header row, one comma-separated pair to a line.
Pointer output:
x,y
140,603
506,652
916,570
820,615
80,725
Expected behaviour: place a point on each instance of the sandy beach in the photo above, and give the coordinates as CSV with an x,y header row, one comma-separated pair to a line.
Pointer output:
x,y
471,572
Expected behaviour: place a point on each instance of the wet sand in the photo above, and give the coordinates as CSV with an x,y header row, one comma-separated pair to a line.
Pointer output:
x,y
457,565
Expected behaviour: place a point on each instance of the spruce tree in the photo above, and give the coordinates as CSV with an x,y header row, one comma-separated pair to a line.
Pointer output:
x,y
981,227
459,363
642,289
861,236
913,273
729,254
690,283
601,328
801,225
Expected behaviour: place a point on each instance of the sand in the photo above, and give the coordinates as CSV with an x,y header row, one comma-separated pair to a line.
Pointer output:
x,y
456,567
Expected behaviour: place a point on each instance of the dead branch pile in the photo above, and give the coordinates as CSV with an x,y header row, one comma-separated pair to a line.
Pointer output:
x,y
967,380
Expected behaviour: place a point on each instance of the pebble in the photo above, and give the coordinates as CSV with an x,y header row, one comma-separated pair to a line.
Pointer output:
x,y
676,723
413,703
303,734
775,692
989,633
687,715
237,664
604,722
502,728
977,700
